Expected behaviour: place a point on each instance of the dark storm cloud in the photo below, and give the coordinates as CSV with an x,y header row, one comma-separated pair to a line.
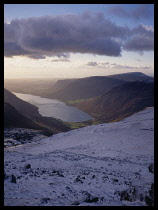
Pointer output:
x,y
139,43
141,12
141,39
59,36
49,36
12,48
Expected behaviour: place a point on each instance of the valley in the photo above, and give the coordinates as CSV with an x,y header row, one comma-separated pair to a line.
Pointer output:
x,y
105,98
55,108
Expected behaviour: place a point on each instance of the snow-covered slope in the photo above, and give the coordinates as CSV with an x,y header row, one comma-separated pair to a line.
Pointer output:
x,y
101,165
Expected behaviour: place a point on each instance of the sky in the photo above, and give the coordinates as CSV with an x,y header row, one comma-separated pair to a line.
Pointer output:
x,y
77,40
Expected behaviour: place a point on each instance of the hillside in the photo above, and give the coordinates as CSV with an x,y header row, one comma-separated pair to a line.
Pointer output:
x,y
132,76
120,102
18,113
21,106
110,164
14,119
61,84
83,88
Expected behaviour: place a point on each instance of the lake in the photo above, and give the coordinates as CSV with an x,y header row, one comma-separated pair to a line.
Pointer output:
x,y
54,108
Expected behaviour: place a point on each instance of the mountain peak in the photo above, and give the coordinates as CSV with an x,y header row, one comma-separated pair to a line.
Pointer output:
x,y
132,76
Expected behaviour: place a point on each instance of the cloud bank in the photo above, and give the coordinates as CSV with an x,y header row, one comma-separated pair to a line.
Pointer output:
x,y
38,37
141,39
108,65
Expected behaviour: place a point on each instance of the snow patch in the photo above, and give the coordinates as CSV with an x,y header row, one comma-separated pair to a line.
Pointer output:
x,y
101,165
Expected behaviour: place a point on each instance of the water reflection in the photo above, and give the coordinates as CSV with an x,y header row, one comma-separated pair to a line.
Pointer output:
x,y
54,108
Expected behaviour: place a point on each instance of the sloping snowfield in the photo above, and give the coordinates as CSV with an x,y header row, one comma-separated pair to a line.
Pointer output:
x,y
102,165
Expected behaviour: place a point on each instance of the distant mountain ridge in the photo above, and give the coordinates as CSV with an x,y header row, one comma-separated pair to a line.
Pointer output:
x,y
89,87
132,76
83,88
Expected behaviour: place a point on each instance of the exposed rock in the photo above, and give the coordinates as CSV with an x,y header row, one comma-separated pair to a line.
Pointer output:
x,y
60,174
13,179
129,195
149,199
115,180
90,198
76,203
27,166
124,195
151,168
45,200
78,179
